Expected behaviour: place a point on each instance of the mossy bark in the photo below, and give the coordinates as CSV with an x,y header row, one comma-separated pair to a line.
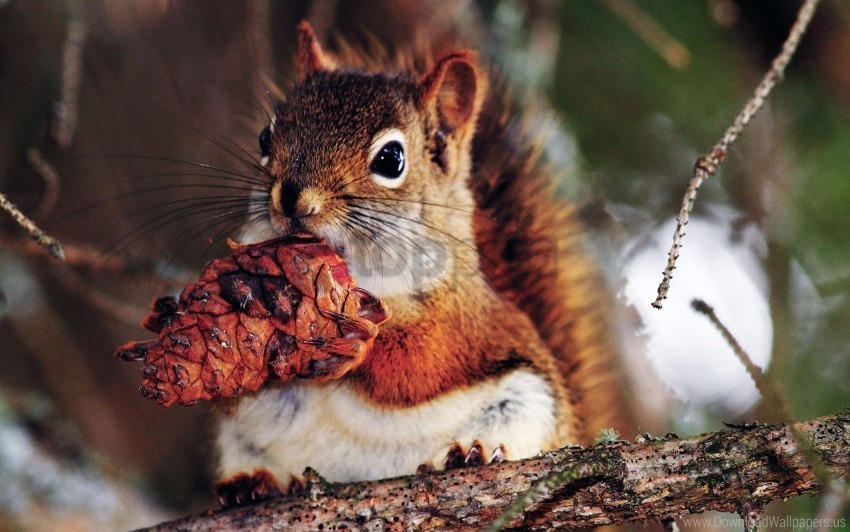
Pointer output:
x,y
651,479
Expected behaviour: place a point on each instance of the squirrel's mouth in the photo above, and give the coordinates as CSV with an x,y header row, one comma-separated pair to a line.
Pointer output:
x,y
379,269
338,243
311,226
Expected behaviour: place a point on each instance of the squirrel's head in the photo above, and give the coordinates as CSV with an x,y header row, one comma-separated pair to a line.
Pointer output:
x,y
378,164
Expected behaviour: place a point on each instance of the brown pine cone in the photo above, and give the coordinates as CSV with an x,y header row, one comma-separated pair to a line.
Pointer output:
x,y
274,310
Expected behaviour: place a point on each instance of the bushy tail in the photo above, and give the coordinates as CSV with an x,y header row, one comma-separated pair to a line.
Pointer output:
x,y
533,254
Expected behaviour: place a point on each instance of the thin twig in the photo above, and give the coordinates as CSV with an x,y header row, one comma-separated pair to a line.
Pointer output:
x,y
762,383
50,178
83,257
544,487
257,25
65,110
91,259
53,246
768,389
671,50
706,166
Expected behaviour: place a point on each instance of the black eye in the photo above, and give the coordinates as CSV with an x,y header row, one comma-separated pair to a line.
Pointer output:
x,y
266,142
389,161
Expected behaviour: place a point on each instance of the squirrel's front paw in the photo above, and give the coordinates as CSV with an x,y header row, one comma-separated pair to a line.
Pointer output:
x,y
334,357
242,488
457,455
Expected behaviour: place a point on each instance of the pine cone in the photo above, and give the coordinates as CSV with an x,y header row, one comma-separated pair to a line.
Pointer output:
x,y
275,310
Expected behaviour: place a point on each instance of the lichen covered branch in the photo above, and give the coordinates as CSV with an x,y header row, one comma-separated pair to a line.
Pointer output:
x,y
732,471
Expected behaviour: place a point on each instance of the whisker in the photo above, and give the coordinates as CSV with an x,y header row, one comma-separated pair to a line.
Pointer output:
x,y
247,162
203,201
155,225
258,103
349,197
345,185
205,225
373,237
234,221
140,192
168,160
394,232
244,179
438,230
249,155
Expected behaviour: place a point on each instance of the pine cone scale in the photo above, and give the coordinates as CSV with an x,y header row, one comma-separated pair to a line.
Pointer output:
x,y
275,310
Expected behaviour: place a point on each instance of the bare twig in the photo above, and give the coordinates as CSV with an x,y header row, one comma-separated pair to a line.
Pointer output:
x,y
766,386
65,110
543,488
257,25
706,165
91,259
53,246
728,471
51,183
671,50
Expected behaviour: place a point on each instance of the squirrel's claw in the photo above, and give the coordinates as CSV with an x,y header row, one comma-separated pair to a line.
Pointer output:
x,y
343,354
372,308
164,310
242,489
132,351
352,327
475,455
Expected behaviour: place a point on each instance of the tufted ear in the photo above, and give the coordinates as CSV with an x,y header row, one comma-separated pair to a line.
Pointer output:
x,y
458,87
310,57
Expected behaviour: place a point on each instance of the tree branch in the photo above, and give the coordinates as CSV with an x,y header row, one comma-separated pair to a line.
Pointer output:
x,y
706,165
738,470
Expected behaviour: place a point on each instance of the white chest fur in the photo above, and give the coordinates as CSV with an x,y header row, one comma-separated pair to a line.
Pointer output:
x,y
331,428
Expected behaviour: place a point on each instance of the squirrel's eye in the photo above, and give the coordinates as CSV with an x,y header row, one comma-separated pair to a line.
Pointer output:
x,y
265,144
388,162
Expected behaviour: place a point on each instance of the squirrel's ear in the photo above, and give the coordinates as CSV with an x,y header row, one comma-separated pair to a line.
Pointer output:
x,y
458,87
310,58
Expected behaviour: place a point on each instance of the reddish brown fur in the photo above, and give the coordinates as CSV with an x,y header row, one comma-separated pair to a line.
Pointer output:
x,y
444,343
456,85
536,257
310,58
244,488
537,300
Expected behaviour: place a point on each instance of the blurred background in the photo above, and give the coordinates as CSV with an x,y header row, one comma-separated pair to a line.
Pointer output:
x,y
101,101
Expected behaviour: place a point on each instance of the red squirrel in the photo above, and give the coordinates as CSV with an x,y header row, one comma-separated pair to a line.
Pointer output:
x,y
497,348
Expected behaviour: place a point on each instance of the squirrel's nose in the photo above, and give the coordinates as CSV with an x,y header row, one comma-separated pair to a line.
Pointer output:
x,y
297,202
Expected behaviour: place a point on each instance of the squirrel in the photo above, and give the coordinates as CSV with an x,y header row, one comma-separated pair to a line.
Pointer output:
x,y
496,350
